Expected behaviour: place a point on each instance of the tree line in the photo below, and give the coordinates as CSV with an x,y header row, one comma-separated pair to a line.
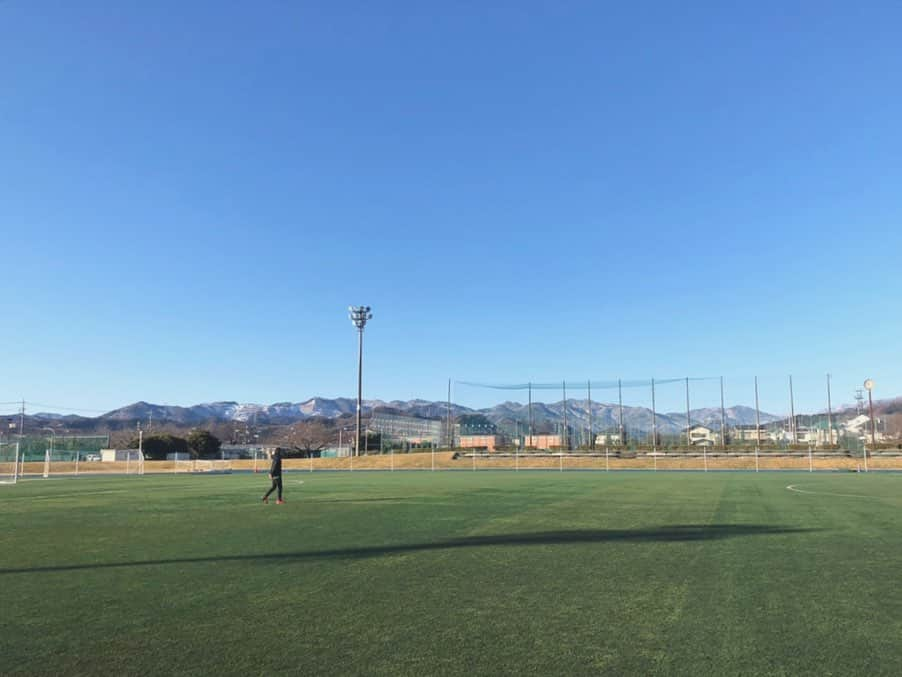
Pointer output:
x,y
198,444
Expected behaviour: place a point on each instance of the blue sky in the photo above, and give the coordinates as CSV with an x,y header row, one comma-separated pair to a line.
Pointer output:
x,y
191,194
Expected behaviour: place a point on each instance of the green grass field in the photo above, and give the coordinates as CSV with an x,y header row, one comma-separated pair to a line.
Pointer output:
x,y
488,573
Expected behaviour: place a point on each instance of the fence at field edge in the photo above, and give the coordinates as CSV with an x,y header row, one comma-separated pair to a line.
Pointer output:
x,y
474,462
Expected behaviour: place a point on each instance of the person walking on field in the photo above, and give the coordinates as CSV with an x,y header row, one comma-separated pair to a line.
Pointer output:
x,y
275,474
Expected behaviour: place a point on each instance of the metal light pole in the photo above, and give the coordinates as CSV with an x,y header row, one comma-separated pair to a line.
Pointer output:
x,y
359,316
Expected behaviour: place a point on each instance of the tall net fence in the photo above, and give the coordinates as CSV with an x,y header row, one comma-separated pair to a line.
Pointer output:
x,y
663,419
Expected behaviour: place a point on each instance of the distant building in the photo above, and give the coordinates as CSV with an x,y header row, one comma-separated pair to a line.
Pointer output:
x,y
542,441
488,442
750,433
413,429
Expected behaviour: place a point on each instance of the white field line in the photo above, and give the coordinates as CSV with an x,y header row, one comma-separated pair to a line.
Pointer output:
x,y
793,487
50,497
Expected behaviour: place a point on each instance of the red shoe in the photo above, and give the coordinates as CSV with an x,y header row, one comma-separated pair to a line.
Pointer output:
x,y
266,499
280,502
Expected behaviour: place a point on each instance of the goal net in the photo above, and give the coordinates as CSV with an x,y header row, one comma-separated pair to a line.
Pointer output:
x,y
9,462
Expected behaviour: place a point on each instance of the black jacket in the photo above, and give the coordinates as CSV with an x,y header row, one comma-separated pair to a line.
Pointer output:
x,y
275,469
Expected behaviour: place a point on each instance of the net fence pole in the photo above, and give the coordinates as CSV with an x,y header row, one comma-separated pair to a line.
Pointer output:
x,y
723,419
565,439
829,414
757,426
654,420
591,441
792,414
620,405
688,419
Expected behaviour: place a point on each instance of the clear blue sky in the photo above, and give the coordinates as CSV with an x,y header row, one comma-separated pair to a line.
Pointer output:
x,y
191,194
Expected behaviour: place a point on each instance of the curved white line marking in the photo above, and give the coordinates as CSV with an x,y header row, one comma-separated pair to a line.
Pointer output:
x,y
793,487
299,481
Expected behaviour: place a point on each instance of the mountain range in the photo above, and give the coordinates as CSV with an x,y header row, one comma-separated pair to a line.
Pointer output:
x,y
506,414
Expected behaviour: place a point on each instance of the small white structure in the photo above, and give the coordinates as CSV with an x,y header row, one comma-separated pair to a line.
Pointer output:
x,y
605,439
113,455
701,436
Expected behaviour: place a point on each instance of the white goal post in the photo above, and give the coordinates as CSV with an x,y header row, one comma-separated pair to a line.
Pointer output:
x,y
9,463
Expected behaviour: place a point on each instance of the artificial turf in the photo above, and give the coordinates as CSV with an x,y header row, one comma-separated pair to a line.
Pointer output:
x,y
485,573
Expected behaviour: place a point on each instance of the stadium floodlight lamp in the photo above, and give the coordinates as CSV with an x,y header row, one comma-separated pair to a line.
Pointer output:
x,y
359,316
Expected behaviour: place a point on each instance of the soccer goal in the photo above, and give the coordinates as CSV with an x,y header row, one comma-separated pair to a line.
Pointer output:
x,y
9,462
213,466
134,463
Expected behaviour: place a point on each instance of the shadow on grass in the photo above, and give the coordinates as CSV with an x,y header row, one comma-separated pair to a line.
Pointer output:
x,y
675,533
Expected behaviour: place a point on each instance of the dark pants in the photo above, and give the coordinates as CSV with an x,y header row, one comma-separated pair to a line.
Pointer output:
x,y
276,484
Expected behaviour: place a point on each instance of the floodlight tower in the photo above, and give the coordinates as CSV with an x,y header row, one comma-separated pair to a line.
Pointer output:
x,y
359,316
869,386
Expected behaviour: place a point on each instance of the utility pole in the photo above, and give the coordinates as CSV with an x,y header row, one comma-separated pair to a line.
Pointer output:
x,y
591,435
532,439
